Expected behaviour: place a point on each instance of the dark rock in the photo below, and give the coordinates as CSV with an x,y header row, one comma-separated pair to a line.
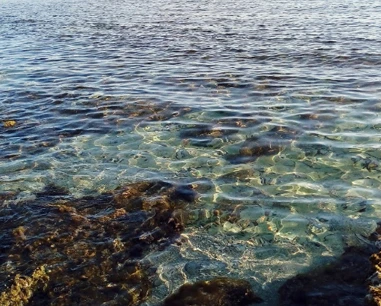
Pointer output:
x,y
239,175
53,190
340,283
221,291
201,135
6,196
268,143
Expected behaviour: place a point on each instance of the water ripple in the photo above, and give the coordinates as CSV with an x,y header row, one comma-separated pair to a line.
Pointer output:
x,y
272,107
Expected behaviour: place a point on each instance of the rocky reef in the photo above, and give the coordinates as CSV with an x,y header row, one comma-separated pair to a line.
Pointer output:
x,y
62,251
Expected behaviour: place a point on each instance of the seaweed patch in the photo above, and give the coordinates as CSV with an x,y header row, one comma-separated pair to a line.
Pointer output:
x,y
62,251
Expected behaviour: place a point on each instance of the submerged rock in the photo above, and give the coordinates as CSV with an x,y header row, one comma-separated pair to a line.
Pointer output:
x,y
216,132
374,281
204,135
90,247
268,143
340,283
154,110
220,291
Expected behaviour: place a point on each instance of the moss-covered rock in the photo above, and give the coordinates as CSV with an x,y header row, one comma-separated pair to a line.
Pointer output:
x,y
23,288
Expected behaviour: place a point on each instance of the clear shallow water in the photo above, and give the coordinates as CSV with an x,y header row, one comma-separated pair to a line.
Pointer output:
x,y
112,93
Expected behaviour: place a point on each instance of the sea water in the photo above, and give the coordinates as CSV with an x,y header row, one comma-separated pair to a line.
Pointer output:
x,y
270,107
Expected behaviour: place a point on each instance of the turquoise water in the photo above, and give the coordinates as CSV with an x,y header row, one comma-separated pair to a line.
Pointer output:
x,y
270,108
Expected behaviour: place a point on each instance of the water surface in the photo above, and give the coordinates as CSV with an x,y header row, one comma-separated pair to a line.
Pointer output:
x,y
271,109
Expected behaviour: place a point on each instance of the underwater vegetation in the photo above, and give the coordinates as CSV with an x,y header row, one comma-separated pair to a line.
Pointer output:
x,y
251,147
81,251
374,281
60,250
24,287
89,250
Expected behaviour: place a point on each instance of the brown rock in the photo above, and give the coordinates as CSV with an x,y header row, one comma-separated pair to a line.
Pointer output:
x,y
90,246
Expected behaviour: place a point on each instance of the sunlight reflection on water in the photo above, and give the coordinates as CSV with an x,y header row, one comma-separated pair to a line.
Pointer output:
x,y
271,108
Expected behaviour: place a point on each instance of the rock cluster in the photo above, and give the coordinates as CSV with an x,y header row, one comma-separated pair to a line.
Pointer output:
x,y
62,251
